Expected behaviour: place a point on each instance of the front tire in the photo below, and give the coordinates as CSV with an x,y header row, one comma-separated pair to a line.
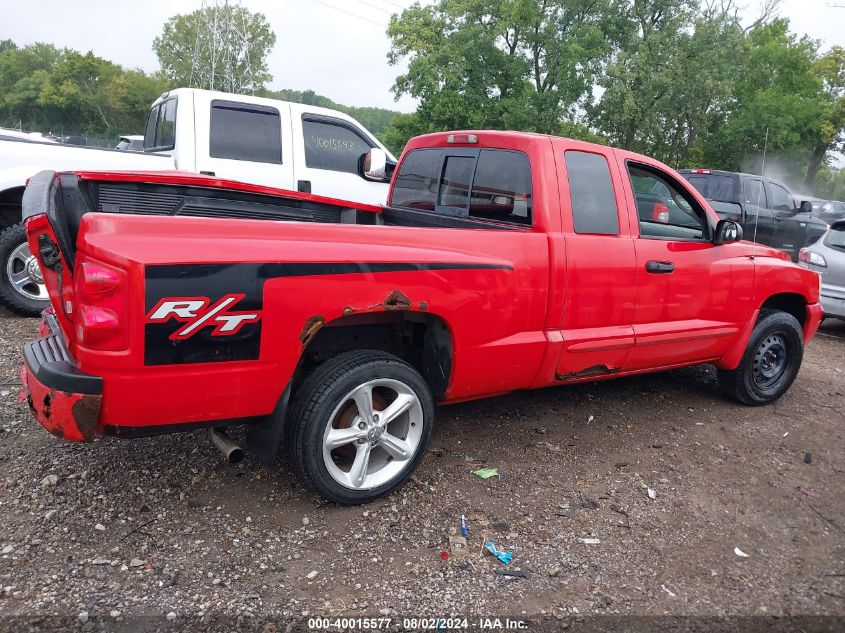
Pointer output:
x,y
359,426
22,288
770,363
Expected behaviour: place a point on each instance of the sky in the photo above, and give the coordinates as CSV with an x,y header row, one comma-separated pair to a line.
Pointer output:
x,y
338,48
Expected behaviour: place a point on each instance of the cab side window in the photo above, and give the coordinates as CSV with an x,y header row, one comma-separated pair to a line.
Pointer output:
x,y
591,193
779,198
335,146
244,131
664,209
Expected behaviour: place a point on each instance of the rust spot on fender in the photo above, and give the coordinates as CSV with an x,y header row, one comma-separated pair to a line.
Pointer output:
x,y
348,310
311,327
397,300
595,370
423,305
86,413
47,408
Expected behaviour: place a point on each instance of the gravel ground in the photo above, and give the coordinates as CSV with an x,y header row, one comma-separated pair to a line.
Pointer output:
x,y
118,529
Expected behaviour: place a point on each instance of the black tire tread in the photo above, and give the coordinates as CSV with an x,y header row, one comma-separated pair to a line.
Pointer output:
x,y
309,397
732,381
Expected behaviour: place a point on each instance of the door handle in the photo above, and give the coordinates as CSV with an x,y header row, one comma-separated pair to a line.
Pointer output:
x,y
303,186
207,173
659,268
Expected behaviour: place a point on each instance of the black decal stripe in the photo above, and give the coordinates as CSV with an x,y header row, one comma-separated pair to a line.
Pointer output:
x,y
310,269
215,280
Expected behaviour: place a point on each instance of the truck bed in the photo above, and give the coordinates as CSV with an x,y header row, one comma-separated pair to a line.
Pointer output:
x,y
21,158
66,197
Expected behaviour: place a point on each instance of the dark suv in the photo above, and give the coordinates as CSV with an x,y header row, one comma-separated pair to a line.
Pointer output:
x,y
768,212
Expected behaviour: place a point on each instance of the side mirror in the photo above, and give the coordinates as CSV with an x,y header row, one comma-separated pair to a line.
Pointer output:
x,y
806,207
373,165
727,231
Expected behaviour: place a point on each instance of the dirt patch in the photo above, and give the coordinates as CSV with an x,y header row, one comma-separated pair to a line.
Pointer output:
x,y
163,524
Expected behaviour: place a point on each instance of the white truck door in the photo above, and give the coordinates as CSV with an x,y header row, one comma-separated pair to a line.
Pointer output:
x,y
238,140
327,150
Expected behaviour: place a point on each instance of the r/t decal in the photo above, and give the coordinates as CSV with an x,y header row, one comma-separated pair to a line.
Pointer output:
x,y
198,313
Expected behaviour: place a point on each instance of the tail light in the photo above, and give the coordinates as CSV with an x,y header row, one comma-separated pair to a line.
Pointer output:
x,y
100,293
660,213
811,257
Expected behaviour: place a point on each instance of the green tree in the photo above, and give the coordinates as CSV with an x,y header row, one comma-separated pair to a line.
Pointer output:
x,y
218,48
776,90
513,64
830,68
76,89
23,74
641,80
63,91
128,97
673,79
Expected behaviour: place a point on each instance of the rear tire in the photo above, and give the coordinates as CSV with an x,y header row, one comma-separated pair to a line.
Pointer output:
x,y
359,426
21,288
770,362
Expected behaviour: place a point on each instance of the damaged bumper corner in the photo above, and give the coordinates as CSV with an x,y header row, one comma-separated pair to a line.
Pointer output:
x,y
64,400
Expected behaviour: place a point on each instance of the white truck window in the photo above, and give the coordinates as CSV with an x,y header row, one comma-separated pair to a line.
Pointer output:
x,y
335,146
160,134
243,131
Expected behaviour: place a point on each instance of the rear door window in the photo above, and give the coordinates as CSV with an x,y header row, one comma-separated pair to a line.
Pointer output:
x,y
754,193
332,145
244,131
591,192
487,184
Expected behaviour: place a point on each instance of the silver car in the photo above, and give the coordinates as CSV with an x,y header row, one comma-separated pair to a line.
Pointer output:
x,y
827,257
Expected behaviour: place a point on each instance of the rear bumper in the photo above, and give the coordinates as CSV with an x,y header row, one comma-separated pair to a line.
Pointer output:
x,y
64,400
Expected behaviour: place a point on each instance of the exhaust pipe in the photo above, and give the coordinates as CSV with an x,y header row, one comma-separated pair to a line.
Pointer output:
x,y
231,451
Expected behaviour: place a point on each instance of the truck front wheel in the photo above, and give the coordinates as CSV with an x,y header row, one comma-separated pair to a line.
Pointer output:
x,y
359,426
770,363
22,288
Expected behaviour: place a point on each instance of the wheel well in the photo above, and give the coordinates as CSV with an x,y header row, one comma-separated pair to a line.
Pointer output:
x,y
10,206
421,340
789,302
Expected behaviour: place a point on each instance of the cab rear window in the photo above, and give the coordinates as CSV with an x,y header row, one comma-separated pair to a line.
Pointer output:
x,y
160,133
719,187
487,184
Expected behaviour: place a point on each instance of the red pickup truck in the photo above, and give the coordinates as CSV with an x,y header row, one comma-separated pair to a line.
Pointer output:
x,y
501,261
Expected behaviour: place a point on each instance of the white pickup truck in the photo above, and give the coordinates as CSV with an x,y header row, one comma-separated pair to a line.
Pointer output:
x,y
234,137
